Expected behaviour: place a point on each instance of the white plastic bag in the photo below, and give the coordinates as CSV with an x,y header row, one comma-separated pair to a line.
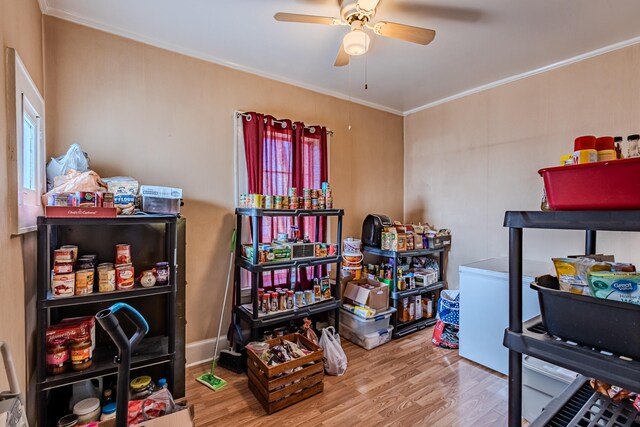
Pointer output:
x,y
335,360
75,159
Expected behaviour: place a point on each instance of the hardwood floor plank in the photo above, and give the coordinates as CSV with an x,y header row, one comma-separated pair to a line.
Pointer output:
x,y
405,383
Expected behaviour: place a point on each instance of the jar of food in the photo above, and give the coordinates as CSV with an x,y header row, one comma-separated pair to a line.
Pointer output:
x,y
141,387
162,273
299,298
274,301
108,412
282,300
260,294
70,420
584,150
317,290
57,356
290,299
80,349
308,297
147,279
633,146
606,148
266,302
87,410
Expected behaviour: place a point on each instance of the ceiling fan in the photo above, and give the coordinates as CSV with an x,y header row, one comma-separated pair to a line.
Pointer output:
x,y
358,15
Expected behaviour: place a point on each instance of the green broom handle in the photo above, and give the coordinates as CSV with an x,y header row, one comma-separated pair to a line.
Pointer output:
x,y
224,300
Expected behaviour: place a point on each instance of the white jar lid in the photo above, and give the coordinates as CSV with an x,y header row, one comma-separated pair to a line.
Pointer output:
x,y
86,406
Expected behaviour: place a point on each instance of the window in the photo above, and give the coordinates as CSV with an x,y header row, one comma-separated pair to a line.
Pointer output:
x,y
27,148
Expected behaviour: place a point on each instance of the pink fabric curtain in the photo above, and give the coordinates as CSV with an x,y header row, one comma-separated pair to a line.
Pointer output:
x,y
281,154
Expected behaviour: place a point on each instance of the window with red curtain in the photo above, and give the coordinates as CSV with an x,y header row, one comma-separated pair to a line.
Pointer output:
x,y
281,154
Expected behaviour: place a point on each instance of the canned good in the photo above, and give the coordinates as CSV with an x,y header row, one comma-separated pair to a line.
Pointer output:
x,y
86,262
74,251
62,199
314,203
106,278
124,277
285,202
332,249
62,255
123,254
317,291
268,202
84,282
308,297
306,193
277,203
321,203
63,267
85,199
290,299
299,298
293,203
329,203
63,285
274,301
257,201
307,203
292,192
262,255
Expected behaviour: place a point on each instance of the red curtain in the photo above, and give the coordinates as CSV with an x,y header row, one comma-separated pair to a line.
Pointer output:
x,y
281,154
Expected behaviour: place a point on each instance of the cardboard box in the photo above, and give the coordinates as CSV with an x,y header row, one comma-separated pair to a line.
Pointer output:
x,y
182,418
370,293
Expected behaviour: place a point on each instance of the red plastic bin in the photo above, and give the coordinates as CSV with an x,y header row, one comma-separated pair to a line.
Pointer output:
x,y
607,185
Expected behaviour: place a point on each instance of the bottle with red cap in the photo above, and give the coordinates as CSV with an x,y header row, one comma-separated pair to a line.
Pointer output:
x,y
606,148
584,150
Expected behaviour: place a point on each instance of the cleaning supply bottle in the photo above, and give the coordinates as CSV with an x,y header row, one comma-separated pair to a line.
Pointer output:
x,y
162,383
584,150
606,148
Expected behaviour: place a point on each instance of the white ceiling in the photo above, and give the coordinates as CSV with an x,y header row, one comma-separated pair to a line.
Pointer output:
x,y
478,42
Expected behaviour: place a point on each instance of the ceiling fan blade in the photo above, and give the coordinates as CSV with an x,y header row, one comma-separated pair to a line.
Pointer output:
x,y
306,19
407,33
368,5
343,57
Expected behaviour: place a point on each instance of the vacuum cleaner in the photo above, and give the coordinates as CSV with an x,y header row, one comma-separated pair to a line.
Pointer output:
x,y
109,322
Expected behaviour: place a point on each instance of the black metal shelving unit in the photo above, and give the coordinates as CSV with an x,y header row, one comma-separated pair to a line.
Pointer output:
x,y
401,329
531,338
251,313
159,237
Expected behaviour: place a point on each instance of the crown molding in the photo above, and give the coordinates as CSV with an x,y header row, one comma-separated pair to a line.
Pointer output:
x,y
44,6
101,26
507,80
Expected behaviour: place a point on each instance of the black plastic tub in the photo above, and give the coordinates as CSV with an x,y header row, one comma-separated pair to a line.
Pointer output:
x,y
611,326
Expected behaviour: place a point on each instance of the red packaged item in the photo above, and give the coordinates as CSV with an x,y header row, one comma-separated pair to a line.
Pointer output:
x,y
445,335
71,328
636,403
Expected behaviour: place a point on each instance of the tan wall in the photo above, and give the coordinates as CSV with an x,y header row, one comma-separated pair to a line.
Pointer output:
x,y
167,119
20,28
470,160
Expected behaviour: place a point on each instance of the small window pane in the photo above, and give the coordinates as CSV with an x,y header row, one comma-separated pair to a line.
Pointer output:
x,y
28,153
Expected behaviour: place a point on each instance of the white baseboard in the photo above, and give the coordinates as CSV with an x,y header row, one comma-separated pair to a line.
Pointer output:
x,y
201,351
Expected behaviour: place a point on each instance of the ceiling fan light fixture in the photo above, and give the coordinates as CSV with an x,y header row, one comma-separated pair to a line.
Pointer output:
x,y
356,42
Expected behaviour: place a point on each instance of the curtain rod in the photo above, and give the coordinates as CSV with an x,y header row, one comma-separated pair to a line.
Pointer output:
x,y
240,113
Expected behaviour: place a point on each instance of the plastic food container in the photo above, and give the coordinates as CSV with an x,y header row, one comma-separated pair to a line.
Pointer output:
x,y
87,410
367,341
596,186
366,326
602,324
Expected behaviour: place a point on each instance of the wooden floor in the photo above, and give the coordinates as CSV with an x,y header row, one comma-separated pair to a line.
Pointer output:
x,y
407,382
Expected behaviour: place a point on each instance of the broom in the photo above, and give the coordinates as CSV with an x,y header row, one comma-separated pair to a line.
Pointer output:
x,y
209,379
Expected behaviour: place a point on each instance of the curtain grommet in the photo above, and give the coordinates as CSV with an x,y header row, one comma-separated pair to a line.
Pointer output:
x,y
313,129
248,117
284,125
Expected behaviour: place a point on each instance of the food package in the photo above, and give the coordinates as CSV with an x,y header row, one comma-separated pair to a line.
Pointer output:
x,y
572,274
617,286
73,181
445,335
124,189
615,393
73,327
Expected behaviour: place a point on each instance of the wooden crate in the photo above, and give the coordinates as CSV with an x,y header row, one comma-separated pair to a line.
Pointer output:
x,y
276,392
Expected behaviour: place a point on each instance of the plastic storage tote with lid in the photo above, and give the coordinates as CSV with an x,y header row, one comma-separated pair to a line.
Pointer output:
x,y
365,326
367,341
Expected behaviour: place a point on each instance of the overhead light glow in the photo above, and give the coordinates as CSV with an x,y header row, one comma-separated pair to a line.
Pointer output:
x,y
356,42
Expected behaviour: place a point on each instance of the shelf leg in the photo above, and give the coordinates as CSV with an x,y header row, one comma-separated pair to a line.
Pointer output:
x,y
515,325
590,242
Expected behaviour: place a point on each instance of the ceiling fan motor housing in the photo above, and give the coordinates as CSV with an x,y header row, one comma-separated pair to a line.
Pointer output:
x,y
350,12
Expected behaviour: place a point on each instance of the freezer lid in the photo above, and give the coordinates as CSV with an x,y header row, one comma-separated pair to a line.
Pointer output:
x,y
499,267
549,370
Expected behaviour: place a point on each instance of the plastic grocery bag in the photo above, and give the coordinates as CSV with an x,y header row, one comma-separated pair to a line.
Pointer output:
x,y
75,159
449,307
74,181
335,360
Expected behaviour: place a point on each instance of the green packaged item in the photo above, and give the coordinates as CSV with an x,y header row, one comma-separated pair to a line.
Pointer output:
x,y
616,286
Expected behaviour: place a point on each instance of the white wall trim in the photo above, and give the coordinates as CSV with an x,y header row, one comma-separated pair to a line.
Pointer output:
x,y
199,352
559,64
44,6
87,22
